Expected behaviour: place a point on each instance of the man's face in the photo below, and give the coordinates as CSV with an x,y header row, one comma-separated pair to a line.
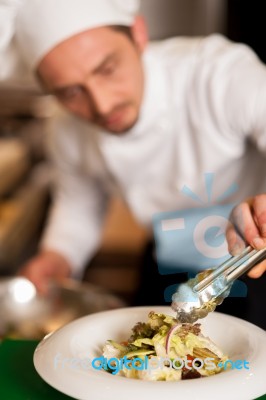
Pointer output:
x,y
98,75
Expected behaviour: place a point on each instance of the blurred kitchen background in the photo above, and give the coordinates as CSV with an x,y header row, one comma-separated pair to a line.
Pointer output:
x,y
25,174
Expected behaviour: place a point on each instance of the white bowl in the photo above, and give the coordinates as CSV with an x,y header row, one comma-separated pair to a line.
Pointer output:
x,y
86,336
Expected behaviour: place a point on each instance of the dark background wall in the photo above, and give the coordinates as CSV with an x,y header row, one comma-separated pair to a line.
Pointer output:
x,y
167,18
246,23
240,20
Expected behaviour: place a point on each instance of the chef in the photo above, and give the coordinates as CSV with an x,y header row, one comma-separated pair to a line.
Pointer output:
x,y
141,119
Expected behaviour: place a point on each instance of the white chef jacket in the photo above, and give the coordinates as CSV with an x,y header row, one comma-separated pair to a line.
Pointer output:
x,y
204,111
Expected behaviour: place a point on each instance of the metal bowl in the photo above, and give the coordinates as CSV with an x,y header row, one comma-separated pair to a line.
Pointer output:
x,y
26,314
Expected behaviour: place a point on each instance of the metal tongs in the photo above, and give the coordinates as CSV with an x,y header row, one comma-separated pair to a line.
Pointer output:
x,y
200,295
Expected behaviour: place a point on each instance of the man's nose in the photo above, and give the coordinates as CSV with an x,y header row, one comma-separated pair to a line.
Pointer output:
x,y
101,100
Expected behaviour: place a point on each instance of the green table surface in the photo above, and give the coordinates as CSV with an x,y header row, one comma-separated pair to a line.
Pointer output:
x,y
18,378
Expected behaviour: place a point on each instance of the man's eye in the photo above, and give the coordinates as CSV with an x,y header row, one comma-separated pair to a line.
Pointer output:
x,y
70,93
108,69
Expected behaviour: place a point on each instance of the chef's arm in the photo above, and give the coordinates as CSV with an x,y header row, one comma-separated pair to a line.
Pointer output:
x,y
245,110
73,231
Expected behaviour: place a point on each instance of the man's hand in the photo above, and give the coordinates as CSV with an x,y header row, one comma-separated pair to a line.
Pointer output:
x,y
248,226
46,267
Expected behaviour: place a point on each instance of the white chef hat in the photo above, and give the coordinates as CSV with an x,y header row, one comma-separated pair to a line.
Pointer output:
x,y
43,24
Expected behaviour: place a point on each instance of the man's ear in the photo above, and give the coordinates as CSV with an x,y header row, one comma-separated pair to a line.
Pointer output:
x,y
140,32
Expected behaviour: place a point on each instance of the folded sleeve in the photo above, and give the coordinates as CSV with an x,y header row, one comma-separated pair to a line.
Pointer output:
x,y
245,98
232,82
79,202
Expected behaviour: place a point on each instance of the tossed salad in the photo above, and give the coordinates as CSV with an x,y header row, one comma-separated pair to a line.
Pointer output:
x,y
162,349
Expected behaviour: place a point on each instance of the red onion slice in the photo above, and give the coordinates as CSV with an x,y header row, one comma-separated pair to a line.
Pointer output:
x,y
169,336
